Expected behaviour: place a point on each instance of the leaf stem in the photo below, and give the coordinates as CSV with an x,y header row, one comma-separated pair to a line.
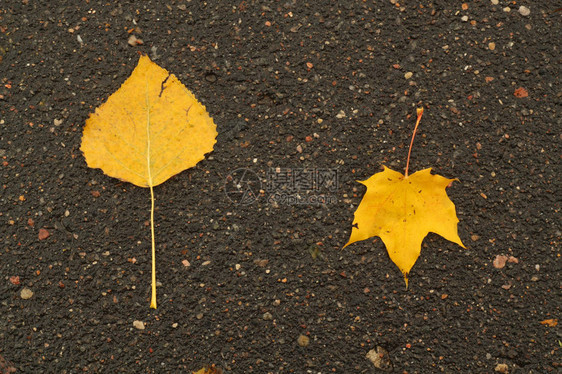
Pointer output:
x,y
153,298
419,112
149,174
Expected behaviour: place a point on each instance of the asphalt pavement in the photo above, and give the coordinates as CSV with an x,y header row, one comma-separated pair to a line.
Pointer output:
x,y
308,98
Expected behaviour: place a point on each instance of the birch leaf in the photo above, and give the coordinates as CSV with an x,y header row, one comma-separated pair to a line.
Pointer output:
x,y
209,370
149,130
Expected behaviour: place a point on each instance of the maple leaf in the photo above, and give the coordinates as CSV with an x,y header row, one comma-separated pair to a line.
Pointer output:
x,y
148,131
402,210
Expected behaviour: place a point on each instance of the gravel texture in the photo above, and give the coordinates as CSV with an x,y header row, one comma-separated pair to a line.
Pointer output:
x,y
261,285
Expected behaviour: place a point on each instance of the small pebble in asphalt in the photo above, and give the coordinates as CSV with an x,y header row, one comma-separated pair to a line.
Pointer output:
x,y
303,340
501,368
139,325
26,294
43,234
524,11
134,41
379,358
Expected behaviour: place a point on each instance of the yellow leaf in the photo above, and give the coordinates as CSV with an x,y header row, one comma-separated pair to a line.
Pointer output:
x,y
151,129
402,211
148,131
209,370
